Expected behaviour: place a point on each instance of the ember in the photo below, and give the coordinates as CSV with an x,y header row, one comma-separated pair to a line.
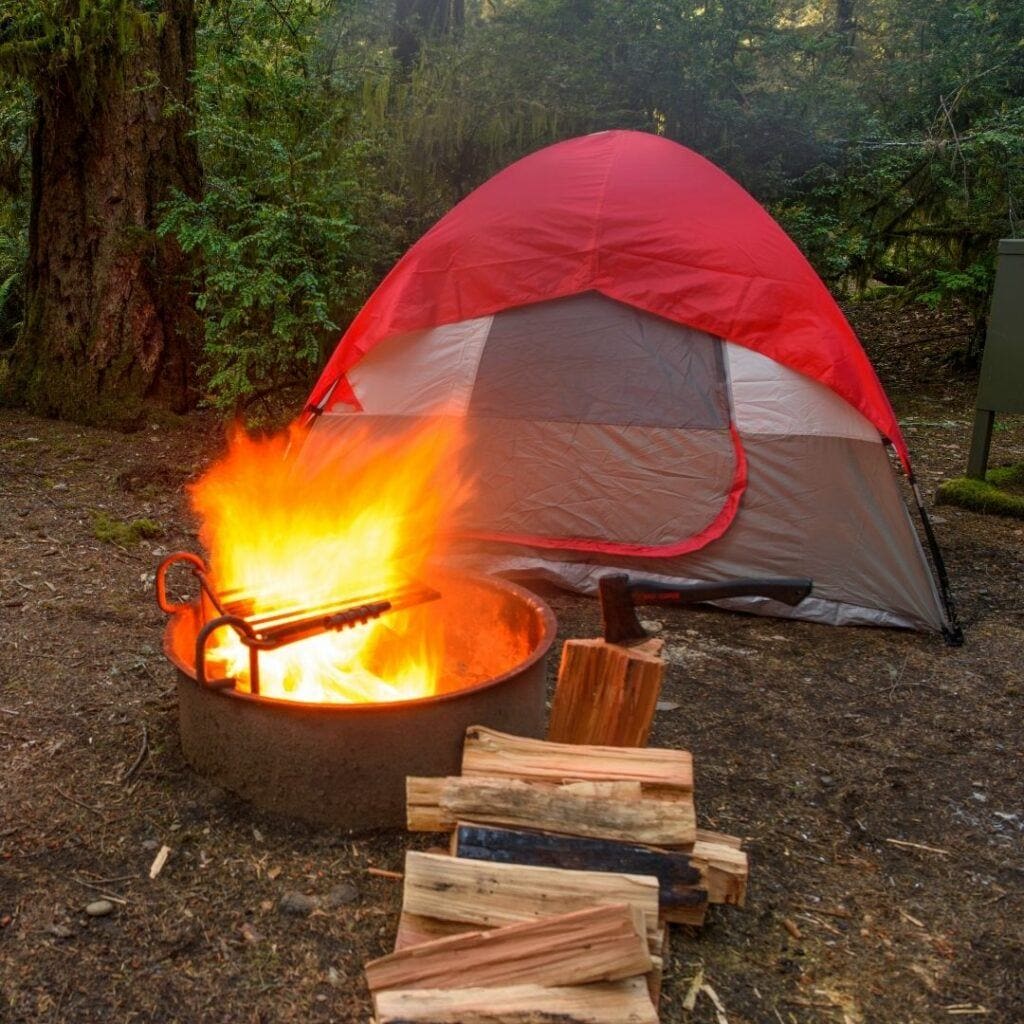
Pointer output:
x,y
294,528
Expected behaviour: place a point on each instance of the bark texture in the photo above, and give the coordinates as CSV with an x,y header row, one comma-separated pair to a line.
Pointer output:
x,y
109,320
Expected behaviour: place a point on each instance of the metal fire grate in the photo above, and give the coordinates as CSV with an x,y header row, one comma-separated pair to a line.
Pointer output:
x,y
269,630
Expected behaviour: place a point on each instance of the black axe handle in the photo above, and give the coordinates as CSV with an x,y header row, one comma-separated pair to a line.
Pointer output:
x,y
619,597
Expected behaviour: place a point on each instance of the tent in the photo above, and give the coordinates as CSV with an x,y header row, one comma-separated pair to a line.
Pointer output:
x,y
654,379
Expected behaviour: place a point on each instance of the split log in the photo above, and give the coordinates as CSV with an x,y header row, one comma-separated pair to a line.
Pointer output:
x,y
623,1002
679,879
606,693
483,895
493,754
724,869
600,810
705,835
606,943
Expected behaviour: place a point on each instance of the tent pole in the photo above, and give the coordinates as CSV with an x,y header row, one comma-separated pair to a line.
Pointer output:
x,y
952,632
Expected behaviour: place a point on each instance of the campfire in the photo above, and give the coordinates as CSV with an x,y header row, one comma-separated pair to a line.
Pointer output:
x,y
317,555
328,653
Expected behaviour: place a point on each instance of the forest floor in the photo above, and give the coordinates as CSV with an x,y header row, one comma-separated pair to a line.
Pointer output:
x,y
876,774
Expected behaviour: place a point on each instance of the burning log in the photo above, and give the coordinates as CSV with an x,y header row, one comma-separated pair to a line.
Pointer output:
x,y
606,693
623,1002
600,810
606,943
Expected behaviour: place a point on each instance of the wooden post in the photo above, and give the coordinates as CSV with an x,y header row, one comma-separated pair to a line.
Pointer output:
x,y
606,693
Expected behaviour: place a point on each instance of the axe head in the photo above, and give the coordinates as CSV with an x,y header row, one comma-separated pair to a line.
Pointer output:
x,y
618,614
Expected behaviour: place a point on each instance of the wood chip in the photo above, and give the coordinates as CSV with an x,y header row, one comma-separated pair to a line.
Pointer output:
x,y
791,927
159,861
690,999
719,1008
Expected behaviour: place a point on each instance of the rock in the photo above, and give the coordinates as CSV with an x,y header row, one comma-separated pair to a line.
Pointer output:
x,y
61,931
297,903
652,625
151,844
99,908
827,780
340,896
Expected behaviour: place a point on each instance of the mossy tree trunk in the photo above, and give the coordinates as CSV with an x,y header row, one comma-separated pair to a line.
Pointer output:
x,y
416,20
109,322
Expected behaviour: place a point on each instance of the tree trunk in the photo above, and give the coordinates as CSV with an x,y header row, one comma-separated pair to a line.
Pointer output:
x,y
416,20
846,23
109,320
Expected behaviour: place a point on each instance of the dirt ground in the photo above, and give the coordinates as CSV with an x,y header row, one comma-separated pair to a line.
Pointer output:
x,y
876,775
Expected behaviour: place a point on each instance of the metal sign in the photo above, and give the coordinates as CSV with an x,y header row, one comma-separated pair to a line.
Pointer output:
x,y
1001,388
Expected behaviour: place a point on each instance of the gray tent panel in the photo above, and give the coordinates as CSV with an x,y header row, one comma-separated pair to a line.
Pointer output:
x,y
588,359
626,484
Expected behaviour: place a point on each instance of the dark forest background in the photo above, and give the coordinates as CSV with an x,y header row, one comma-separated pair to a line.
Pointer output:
x,y
197,195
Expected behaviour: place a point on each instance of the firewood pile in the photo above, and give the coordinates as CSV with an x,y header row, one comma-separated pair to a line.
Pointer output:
x,y
567,863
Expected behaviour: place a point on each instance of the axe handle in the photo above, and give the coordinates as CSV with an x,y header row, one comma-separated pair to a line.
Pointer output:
x,y
620,596
788,591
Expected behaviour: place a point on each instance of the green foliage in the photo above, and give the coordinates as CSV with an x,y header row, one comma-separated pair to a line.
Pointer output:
x,y
890,145
123,534
1000,493
291,179
834,247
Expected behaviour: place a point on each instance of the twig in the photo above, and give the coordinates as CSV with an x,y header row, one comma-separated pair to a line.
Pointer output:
x,y
137,763
918,846
9,711
384,873
821,924
821,910
103,892
88,807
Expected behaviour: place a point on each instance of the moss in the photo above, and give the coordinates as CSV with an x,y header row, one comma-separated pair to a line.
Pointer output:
x,y
113,531
1000,493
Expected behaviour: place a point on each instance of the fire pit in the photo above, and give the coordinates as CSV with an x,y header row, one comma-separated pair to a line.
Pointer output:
x,y
345,764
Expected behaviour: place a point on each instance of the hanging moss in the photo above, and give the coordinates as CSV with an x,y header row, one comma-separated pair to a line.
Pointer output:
x,y
85,41
1000,493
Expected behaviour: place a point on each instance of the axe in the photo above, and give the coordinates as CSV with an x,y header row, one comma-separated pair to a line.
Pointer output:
x,y
619,597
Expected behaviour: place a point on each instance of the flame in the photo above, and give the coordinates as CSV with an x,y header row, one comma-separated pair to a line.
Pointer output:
x,y
322,518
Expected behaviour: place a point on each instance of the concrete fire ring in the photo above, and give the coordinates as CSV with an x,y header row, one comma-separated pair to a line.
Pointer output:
x,y
345,764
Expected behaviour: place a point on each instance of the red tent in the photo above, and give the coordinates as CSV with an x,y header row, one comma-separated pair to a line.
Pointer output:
x,y
617,316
